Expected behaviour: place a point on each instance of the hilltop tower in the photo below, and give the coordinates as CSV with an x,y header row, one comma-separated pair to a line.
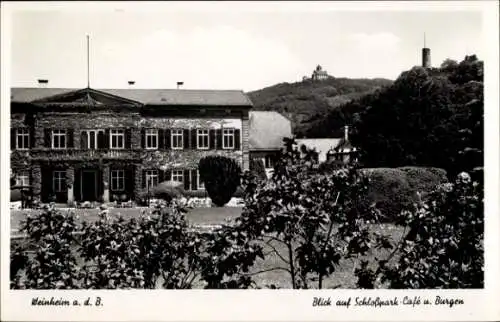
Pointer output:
x,y
426,56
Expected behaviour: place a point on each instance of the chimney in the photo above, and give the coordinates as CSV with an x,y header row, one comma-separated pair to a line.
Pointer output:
x,y
346,132
131,83
42,83
179,84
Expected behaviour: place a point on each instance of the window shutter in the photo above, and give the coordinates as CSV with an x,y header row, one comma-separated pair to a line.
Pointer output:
x,y
168,139
168,175
194,179
161,175
128,138
32,136
219,139
161,139
69,134
211,134
101,140
186,139
143,178
83,140
106,139
237,145
194,143
129,181
47,137
186,179
143,138
12,139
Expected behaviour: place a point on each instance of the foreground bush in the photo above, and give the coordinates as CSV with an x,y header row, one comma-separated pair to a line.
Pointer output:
x,y
258,169
392,190
157,250
221,176
297,209
443,247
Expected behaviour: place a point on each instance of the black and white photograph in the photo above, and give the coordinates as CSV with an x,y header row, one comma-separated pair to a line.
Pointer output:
x,y
204,147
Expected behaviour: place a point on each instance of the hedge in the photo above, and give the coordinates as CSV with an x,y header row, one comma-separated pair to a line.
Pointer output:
x,y
394,189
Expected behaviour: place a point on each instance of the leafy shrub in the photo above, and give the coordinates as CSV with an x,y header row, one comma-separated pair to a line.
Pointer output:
x,y
15,195
392,190
200,193
297,209
141,253
444,245
166,190
221,176
53,265
258,169
158,249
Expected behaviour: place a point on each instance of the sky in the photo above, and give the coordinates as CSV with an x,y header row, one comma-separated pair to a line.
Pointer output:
x,y
222,49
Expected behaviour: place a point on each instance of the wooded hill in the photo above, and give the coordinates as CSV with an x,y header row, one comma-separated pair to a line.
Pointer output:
x,y
307,101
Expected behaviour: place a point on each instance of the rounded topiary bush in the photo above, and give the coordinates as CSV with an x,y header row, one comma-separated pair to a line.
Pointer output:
x,y
392,190
221,176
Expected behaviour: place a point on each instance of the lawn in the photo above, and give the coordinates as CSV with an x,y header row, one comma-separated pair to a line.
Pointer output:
x,y
343,277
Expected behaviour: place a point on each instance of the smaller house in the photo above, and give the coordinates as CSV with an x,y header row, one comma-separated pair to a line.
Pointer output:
x,y
267,130
330,149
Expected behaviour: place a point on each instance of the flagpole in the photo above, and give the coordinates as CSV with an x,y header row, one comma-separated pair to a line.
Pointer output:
x,y
88,62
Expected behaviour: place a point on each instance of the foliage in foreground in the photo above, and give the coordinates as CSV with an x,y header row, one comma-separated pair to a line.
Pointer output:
x,y
310,220
221,176
156,250
297,208
444,244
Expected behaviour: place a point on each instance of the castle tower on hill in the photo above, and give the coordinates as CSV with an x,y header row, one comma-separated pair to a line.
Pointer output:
x,y
426,56
319,73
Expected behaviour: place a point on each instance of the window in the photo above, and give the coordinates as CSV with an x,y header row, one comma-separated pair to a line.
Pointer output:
x,y
59,139
228,138
58,180
178,175
92,139
201,184
117,138
151,178
151,139
202,139
22,139
117,180
177,139
269,161
23,178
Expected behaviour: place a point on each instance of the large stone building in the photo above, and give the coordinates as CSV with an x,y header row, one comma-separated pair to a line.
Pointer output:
x,y
97,144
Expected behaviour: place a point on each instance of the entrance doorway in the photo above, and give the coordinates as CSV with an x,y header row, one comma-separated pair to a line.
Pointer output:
x,y
88,182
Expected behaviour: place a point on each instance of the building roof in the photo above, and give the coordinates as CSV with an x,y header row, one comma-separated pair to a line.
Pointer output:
x,y
145,96
322,146
267,130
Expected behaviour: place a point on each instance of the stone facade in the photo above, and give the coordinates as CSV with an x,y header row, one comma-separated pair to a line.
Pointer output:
x,y
89,167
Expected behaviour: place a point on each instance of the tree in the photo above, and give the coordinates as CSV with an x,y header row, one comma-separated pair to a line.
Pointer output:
x,y
308,220
221,176
432,114
443,247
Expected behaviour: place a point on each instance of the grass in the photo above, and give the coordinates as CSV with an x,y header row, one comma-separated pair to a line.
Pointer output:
x,y
343,277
